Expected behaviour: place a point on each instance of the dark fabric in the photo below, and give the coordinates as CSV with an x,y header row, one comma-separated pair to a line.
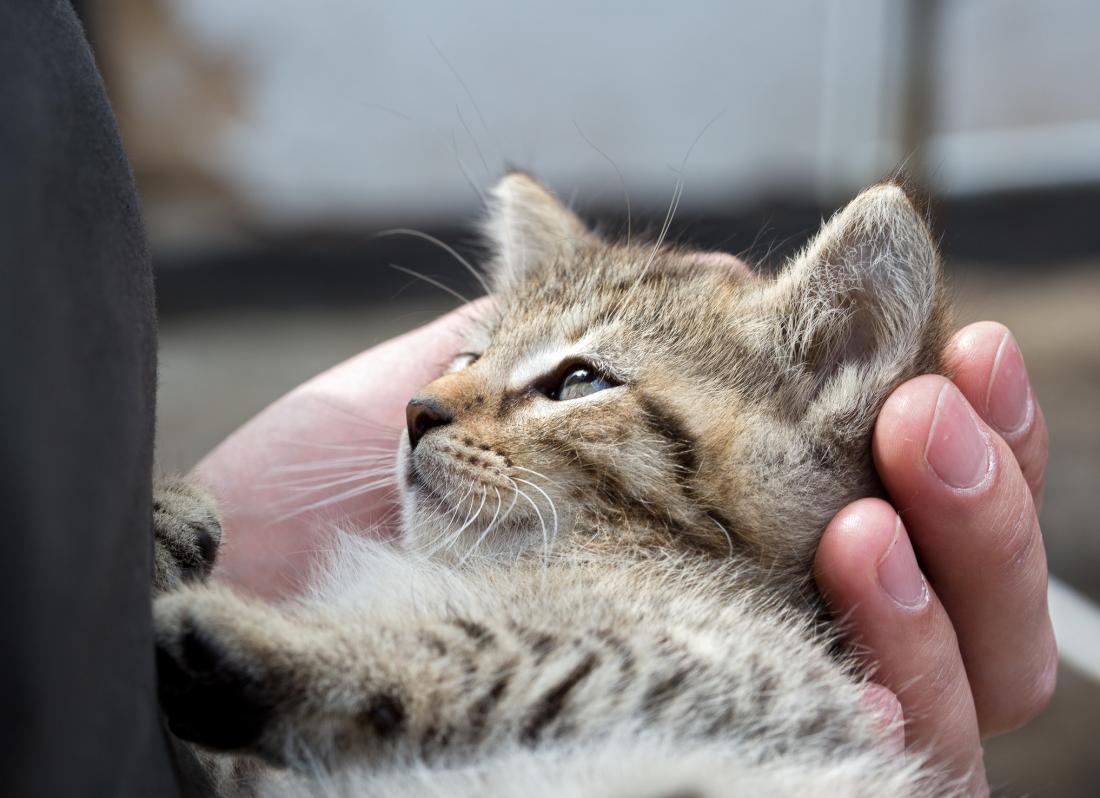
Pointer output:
x,y
78,714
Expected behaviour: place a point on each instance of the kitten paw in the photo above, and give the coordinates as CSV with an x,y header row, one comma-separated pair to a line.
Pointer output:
x,y
186,531
214,691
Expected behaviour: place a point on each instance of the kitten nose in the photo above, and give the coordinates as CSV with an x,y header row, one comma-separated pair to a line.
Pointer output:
x,y
422,415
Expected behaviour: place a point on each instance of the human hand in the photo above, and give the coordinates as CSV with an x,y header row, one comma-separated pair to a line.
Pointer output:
x,y
960,633
324,451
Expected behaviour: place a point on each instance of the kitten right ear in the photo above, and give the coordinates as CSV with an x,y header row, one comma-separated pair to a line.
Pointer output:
x,y
529,227
863,306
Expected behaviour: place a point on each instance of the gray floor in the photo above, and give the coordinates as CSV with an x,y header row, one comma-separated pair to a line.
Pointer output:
x,y
219,369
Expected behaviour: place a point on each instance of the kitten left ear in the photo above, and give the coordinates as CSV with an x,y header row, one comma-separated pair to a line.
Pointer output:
x,y
529,227
863,307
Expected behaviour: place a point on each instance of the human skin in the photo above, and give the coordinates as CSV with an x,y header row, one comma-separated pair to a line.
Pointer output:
x,y
964,639
960,644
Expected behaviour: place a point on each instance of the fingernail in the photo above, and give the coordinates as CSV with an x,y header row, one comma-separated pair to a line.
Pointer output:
x,y
1008,400
898,572
956,450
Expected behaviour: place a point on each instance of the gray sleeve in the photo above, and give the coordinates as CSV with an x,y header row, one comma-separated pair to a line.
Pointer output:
x,y
77,385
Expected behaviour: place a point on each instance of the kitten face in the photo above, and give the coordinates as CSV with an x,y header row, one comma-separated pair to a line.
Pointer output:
x,y
627,396
625,453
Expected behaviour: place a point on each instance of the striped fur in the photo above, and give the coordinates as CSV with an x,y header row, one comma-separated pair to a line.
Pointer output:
x,y
621,578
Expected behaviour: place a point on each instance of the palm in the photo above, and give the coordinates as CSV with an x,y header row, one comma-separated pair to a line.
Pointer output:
x,y
320,455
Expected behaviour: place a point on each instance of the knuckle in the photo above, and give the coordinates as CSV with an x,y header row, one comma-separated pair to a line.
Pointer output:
x,y
1037,700
1030,698
1045,683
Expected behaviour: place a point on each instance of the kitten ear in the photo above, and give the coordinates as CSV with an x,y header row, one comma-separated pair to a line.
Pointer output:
x,y
529,227
863,305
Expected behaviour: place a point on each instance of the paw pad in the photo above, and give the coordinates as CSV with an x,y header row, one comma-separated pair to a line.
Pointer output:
x,y
186,531
206,698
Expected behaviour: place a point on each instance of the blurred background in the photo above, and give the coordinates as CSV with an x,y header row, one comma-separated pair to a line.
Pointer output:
x,y
272,139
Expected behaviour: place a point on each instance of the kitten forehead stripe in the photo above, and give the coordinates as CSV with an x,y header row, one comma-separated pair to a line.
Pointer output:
x,y
669,426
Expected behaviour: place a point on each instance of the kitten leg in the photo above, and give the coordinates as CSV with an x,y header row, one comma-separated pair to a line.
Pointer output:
x,y
238,674
186,533
297,684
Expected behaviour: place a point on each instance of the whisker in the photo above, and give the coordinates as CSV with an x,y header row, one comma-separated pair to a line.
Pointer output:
x,y
349,444
374,463
314,477
469,94
439,138
319,480
361,420
466,172
677,193
404,231
618,171
541,475
477,146
729,540
320,465
318,483
431,281
542,522
549,501
429,545
336,499
484,534
453,538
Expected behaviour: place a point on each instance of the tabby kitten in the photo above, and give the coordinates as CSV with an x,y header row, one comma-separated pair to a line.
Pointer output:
x,y
610,506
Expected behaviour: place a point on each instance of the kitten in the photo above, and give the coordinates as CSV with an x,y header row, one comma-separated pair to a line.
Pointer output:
x,y
610,506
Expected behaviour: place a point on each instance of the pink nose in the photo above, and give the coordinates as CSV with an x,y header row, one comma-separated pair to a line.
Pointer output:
x,y
421,414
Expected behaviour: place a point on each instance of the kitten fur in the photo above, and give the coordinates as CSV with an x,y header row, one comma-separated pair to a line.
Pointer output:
x,y
607,595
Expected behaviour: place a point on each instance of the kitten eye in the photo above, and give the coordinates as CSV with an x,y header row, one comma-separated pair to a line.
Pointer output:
x,y
463,360
580,382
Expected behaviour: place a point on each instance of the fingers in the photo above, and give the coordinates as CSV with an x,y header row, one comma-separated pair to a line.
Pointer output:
x,y
970,513
866,569
989,370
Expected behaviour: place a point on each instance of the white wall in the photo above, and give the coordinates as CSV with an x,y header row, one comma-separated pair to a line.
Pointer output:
x,y
357,109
